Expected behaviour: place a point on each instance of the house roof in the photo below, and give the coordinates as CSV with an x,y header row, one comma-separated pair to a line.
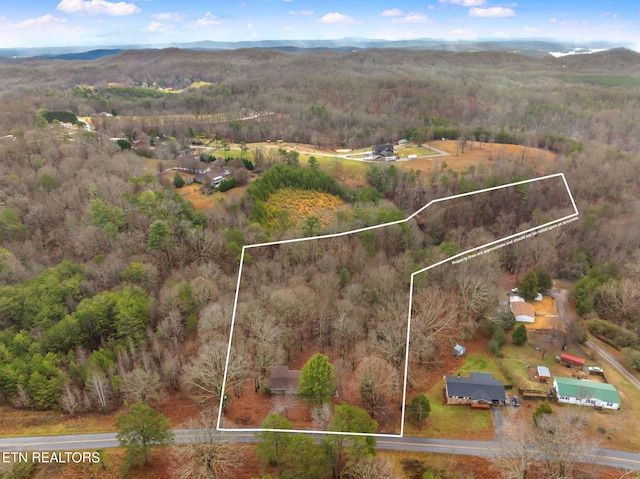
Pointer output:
x,y
479,387
523,311
382,149
543,372
284,379
584,389
571,359
458,347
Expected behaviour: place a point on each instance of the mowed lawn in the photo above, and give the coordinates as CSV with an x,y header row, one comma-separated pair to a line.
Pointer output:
x,y
455,422
459,422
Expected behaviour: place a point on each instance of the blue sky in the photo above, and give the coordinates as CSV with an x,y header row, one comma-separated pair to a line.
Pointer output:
x,y
37,23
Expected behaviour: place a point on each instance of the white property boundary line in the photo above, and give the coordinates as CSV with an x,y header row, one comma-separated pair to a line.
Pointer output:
x,y
368,228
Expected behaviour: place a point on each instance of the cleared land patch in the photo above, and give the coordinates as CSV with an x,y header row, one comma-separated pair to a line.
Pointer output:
x,y
294,206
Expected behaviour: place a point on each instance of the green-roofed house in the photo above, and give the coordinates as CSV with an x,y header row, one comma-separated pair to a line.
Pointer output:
x,y
586,393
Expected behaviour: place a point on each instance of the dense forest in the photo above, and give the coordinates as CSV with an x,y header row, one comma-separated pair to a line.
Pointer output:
x,y
115,288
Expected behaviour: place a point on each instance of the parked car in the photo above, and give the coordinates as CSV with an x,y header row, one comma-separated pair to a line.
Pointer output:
x,y
515,401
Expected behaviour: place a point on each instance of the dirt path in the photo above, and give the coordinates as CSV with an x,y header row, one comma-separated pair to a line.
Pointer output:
x,y
617,365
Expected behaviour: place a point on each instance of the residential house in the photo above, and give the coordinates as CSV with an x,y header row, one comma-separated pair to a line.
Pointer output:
x,y
283,380
383,151
586,393
480,388
212,176
523,312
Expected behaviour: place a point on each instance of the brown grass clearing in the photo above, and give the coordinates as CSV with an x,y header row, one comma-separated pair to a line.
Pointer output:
x,y
546,314
480,155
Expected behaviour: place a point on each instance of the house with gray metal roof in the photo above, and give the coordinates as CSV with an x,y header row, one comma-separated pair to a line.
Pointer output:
x,y
480,388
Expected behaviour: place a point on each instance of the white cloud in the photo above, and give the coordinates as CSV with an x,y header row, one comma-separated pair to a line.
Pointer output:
x,y
169,17
97,7
249,26
208,19
612,15
464,3
301,12
529,30
462,32
500,35
45,20
392,12
492,12
155,27
336,17
413,17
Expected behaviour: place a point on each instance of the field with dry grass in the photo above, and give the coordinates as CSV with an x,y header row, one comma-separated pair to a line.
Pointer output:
x,y
297,205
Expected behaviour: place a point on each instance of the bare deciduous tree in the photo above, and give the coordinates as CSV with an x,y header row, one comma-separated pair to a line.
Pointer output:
x,y
204,376
141,385
378,383
512,459
71,400
377,467
98,389
563,445
209,455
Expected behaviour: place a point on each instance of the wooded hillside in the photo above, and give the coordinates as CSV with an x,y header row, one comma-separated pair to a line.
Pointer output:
x,y
114,288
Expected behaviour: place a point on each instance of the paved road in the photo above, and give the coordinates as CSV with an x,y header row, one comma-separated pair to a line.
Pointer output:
x,y
617,365
92,442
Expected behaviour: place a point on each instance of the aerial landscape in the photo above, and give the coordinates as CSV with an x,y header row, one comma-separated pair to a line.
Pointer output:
x,y
299,240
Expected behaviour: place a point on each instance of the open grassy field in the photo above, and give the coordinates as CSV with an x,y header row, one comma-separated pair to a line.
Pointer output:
x,y
296,205
478,155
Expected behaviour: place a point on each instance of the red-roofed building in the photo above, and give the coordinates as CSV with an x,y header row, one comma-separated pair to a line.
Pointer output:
x,y
571,360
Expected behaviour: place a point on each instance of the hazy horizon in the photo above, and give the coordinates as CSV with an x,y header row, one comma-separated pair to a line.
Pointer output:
x,y
104,23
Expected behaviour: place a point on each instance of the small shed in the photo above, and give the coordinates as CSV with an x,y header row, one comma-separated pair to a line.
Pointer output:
x,y
283,380
523,312
459,350
543,374
571,360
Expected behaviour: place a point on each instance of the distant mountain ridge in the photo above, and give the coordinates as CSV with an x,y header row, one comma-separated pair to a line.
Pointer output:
x,y
532,47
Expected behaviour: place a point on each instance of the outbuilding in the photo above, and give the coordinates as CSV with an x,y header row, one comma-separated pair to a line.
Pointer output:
x,y
543,374
569,360
459,350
